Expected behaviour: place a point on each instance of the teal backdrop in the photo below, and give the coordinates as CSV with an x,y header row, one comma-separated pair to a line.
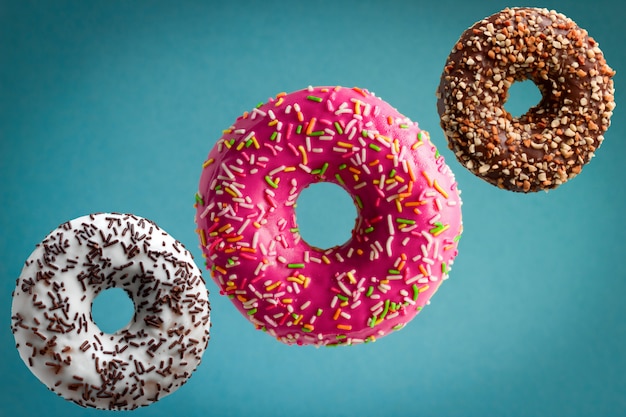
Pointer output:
x,y
114,105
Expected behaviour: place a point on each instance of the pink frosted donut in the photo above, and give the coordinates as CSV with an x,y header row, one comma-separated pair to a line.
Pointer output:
x,y
403,243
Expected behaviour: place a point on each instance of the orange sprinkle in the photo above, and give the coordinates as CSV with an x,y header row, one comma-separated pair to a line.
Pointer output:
x,y
246,249
411,174
337,314
423,270
344,326
374,162
389,120
428,180
300,116
310,126
358,90
308,326
242,298
220,269
256,224
223,228
296,321
414,203
234,239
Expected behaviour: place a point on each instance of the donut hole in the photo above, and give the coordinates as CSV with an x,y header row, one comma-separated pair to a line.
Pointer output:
x,y
112,310
521,97
326,215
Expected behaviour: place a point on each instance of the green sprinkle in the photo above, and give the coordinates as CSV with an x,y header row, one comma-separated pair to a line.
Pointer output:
x,y
456,238
316,171
259,105
375,147
314,98
231,142
295,266
341,336
252,311
394,272
405,221
358,201
365,133
269,181
343,166
444,268
231,296
420,136
404,126
386,309
416,292
398,326
392,173
340,179
199,199
274,134
294,230
299,129
437,153
338,128
324,168
318,312
437,228
370,290
230,261
369,229
342,297
317,133
306,329
295,316
249,143
373,321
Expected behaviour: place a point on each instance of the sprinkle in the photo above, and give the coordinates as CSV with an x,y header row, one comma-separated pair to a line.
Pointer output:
x,y
314,98
295,266
441,190
374,147
344,327
270,182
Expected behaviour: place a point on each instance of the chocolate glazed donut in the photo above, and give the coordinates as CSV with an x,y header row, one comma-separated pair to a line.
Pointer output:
x,y
551,142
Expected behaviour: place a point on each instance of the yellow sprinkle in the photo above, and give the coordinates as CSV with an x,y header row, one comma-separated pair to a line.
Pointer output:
x,y
298,319
202,237
351,277
290,169
357,107
256,143
441,190
423,288
416,145
279,102
307,281
273,286
286,301
273,122
325,259
241,145
398,205
295,279
344,144
208,162
399,178
396,145
230,191
305,159
256,224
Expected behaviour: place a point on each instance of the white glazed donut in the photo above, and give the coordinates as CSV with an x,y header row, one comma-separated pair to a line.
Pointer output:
x,y
51,313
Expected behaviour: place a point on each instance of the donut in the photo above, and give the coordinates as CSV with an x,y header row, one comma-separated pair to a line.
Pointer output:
x,y
550,143
137,365
402,245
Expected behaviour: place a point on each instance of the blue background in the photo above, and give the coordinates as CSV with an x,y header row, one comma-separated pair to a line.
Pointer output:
x,y
113,106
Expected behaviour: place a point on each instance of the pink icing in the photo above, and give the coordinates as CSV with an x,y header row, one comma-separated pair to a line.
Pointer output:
x,y
402,246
